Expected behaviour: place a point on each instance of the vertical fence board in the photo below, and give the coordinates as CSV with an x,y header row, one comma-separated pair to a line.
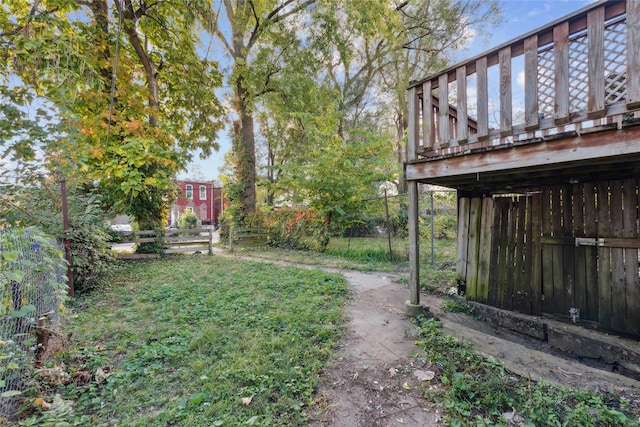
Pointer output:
x,y
536,250
561,58
502,251
485,251
618,294
567,251
475,212
604,258
506,114
463,238
510,240
483,97
494,272
595,29
527,266
591,264
521,292
556,261
580,252
630,220
463,122
547,253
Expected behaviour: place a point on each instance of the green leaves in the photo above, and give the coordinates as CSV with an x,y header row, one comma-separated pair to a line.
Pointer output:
x,y
24,311
14,276
165,106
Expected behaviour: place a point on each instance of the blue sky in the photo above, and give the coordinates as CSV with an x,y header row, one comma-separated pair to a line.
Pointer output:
x,y
519,17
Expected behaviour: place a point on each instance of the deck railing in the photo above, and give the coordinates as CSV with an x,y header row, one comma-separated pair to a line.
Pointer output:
x,y
577,73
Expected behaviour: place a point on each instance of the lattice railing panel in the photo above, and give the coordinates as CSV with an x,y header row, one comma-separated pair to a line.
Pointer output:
x,y
578,73
615,62
546,85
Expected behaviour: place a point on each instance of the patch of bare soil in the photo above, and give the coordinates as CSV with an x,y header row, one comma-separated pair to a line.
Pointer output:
x,y
373,380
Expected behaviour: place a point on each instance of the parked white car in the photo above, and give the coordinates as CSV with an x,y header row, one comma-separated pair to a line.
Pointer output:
x,y
121,227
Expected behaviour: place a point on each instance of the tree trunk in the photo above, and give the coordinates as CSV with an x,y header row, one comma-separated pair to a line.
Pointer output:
x,y
100,10
401,128
149,67
245,155
324,239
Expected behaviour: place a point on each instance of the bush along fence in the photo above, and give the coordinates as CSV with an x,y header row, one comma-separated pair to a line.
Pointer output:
x,y
383,219
33,279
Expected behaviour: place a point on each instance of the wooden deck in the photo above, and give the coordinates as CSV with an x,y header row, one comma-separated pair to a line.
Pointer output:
x,y
542,141
561,99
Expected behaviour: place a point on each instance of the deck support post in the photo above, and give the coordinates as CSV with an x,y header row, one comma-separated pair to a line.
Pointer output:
x,y
413,306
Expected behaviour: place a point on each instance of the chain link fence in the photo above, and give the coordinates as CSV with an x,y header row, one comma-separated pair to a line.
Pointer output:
x,y
33,281
386,218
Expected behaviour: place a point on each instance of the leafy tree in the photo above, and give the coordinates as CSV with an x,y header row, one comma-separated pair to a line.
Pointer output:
x,y
188,220
356,61
125,82
370,50
257,43
338,176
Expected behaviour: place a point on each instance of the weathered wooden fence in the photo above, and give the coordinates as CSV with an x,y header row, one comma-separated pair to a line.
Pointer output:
x,y
570,251
173,241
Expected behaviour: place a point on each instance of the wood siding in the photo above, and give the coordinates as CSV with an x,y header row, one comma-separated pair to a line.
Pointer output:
x,y
570,251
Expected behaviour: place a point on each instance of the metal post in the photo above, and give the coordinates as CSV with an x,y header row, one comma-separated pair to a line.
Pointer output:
x,y
67,243
433,219
386,208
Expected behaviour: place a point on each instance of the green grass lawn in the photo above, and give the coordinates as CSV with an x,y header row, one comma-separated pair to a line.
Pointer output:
x,y
365,254
186,339
376,249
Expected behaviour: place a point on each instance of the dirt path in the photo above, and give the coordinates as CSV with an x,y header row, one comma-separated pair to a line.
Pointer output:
x,y
372,380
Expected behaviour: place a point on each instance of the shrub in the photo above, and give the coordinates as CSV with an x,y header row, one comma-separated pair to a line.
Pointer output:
x,y
39,204
294,228
188,220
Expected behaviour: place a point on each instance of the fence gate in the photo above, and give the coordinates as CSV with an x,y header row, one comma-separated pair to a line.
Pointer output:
x,y
570,251
590,254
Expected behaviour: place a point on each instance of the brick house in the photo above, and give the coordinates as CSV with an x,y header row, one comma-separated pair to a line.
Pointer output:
x,y
203,198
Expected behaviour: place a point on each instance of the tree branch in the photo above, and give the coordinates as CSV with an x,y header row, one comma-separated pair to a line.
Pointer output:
x,y
149,67
30,15
273,18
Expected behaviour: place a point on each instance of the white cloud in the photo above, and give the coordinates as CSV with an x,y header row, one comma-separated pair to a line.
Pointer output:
x,y
546,8
520,79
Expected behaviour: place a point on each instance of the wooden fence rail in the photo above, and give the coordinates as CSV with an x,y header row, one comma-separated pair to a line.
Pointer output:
x,y
173,241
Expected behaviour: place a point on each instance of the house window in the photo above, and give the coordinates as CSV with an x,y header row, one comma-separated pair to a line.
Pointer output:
x,y
188,192
203,192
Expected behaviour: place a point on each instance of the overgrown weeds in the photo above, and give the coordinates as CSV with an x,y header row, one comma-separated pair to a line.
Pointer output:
x,y
199,341
476,390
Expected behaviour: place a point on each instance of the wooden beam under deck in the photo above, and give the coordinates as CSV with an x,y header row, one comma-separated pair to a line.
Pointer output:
x,y
609,153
